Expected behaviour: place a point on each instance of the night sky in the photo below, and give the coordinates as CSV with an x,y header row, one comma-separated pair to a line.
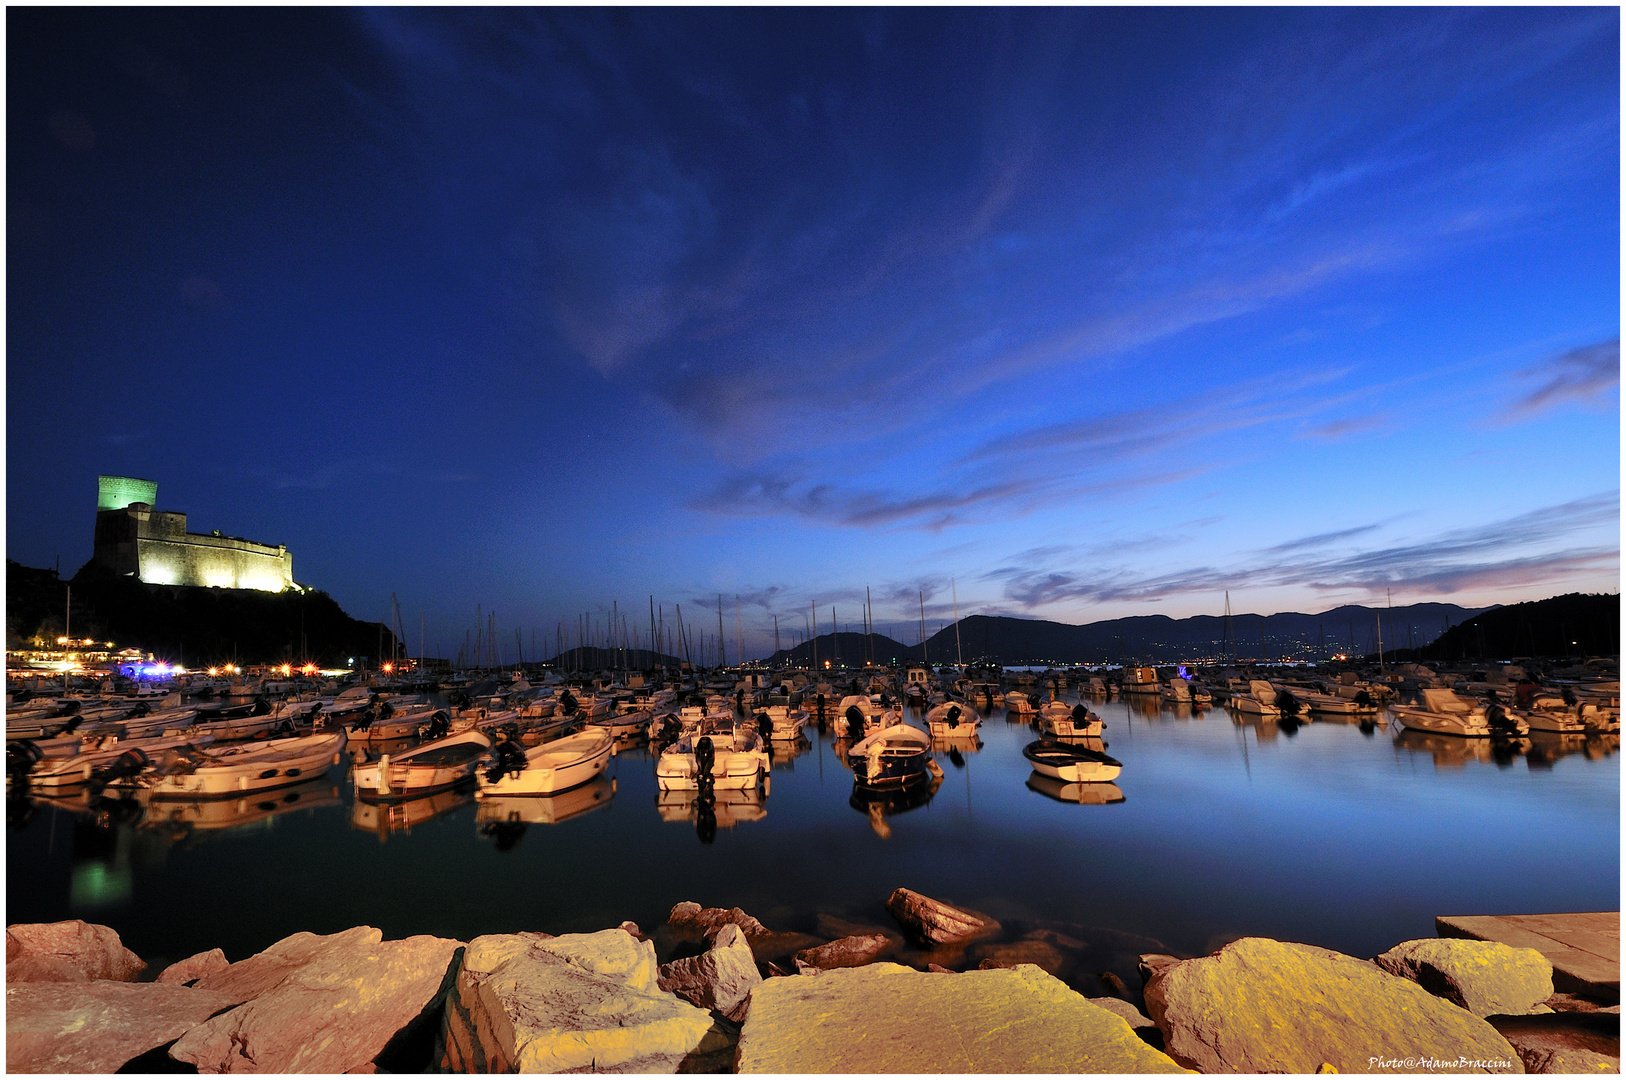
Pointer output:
x,y
1093,312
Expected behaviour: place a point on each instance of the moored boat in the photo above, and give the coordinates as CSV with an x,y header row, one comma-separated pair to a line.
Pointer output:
x,y
234,768
894,756
1440,711
1071,763
717,754
434,766
547,769
953,719
1077,722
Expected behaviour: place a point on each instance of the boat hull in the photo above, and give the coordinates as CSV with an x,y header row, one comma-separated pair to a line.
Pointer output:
x,y
259,767
553,767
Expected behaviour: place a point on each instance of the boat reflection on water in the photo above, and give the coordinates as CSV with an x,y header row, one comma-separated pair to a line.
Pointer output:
x,y
723,808
878,805
1455,751
1547,747
504,818
955,749
180,818
386,818
783,754
102,809
1083,794
1147,706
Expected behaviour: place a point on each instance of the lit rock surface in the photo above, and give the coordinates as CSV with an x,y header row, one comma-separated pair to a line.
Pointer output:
x,y
95,1027
1137,1020
720,979
71,951
335,1013
854,951
887,1018
1483,977
1259,1006
934,921
574,1002
248,979
690,916
1041,954
1569,1061
1549,1042
194,967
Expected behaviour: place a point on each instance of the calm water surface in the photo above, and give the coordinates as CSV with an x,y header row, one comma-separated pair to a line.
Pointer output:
x,y
1349,839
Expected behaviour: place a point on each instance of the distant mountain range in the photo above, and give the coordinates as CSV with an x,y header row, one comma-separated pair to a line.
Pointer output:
x,y
1351,629
1575,624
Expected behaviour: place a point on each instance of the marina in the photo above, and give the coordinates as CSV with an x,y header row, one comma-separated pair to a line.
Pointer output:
x,y
1218,823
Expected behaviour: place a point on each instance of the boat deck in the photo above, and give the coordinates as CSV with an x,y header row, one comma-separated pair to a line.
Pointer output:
x,y
1583,946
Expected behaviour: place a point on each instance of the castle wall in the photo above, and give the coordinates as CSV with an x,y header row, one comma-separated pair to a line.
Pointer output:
x,y
155,546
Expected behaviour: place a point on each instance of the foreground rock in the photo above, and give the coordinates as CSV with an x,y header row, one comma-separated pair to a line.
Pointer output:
x,y
853,951
688,921
1572,1042
887,1018
248,979
720,979
529,1003
1259,1005
95,1027
1483,977
334,1013
1140,1023
934,921
194,967
71,951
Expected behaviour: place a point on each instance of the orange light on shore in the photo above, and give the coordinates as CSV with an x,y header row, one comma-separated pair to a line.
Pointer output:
x,y
287,669
213,672
308,669
389,668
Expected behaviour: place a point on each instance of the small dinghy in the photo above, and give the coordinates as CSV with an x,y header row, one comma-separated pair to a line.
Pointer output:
x,y
1074,764
546,769
434,766
896,756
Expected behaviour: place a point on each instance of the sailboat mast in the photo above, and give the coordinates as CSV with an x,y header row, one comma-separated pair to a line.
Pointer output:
x,y
922,594
722,660
739,633
959,657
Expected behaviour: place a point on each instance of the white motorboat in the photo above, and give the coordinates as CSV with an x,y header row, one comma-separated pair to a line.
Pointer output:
x,y
717,754
1260,699
859,715
1141,680
235,768
1440,711
80,768
1071,763
953,719
781,723
546,769
1077,722
434,766
1177,691
622,725
1018,704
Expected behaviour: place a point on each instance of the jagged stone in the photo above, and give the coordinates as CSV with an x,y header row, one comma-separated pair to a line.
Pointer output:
x,y
690,916
721,978
1133,1016
933,921
1009,954
332,1014
886,1018
248,979
1259,1005
96,1026
69,951
1152,965
194,967
1483,977
1549,1041
571,1003
854,951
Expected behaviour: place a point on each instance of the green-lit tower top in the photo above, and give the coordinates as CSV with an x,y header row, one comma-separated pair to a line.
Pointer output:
x,y
117,492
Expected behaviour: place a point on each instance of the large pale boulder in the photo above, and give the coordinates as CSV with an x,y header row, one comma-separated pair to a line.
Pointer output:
x,y
1563,1042
1484,977
575,1002
95,1027
1568,1062
1259,1005
333,1014
721,978
71,951
886,1018
194,967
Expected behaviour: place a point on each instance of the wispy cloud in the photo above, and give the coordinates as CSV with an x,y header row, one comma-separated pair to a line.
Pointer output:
x,y
1582,374
1495,555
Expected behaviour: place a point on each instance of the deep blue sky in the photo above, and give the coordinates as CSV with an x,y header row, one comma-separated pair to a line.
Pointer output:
x,y
1093,312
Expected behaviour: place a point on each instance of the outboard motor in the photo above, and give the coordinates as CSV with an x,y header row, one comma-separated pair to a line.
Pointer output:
x,y
568,704
952,717
671,730
765,724
21,757
261,706
363,720
705,756
439,724
128,764
1287,702
1081,715
1503,725
855,723
1364,700
819,713
510,761
385,710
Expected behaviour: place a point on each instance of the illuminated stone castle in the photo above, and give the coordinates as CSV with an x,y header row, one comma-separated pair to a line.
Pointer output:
x,y
133,539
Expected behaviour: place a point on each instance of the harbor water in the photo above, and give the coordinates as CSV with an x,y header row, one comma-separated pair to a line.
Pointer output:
x,y
1219,827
